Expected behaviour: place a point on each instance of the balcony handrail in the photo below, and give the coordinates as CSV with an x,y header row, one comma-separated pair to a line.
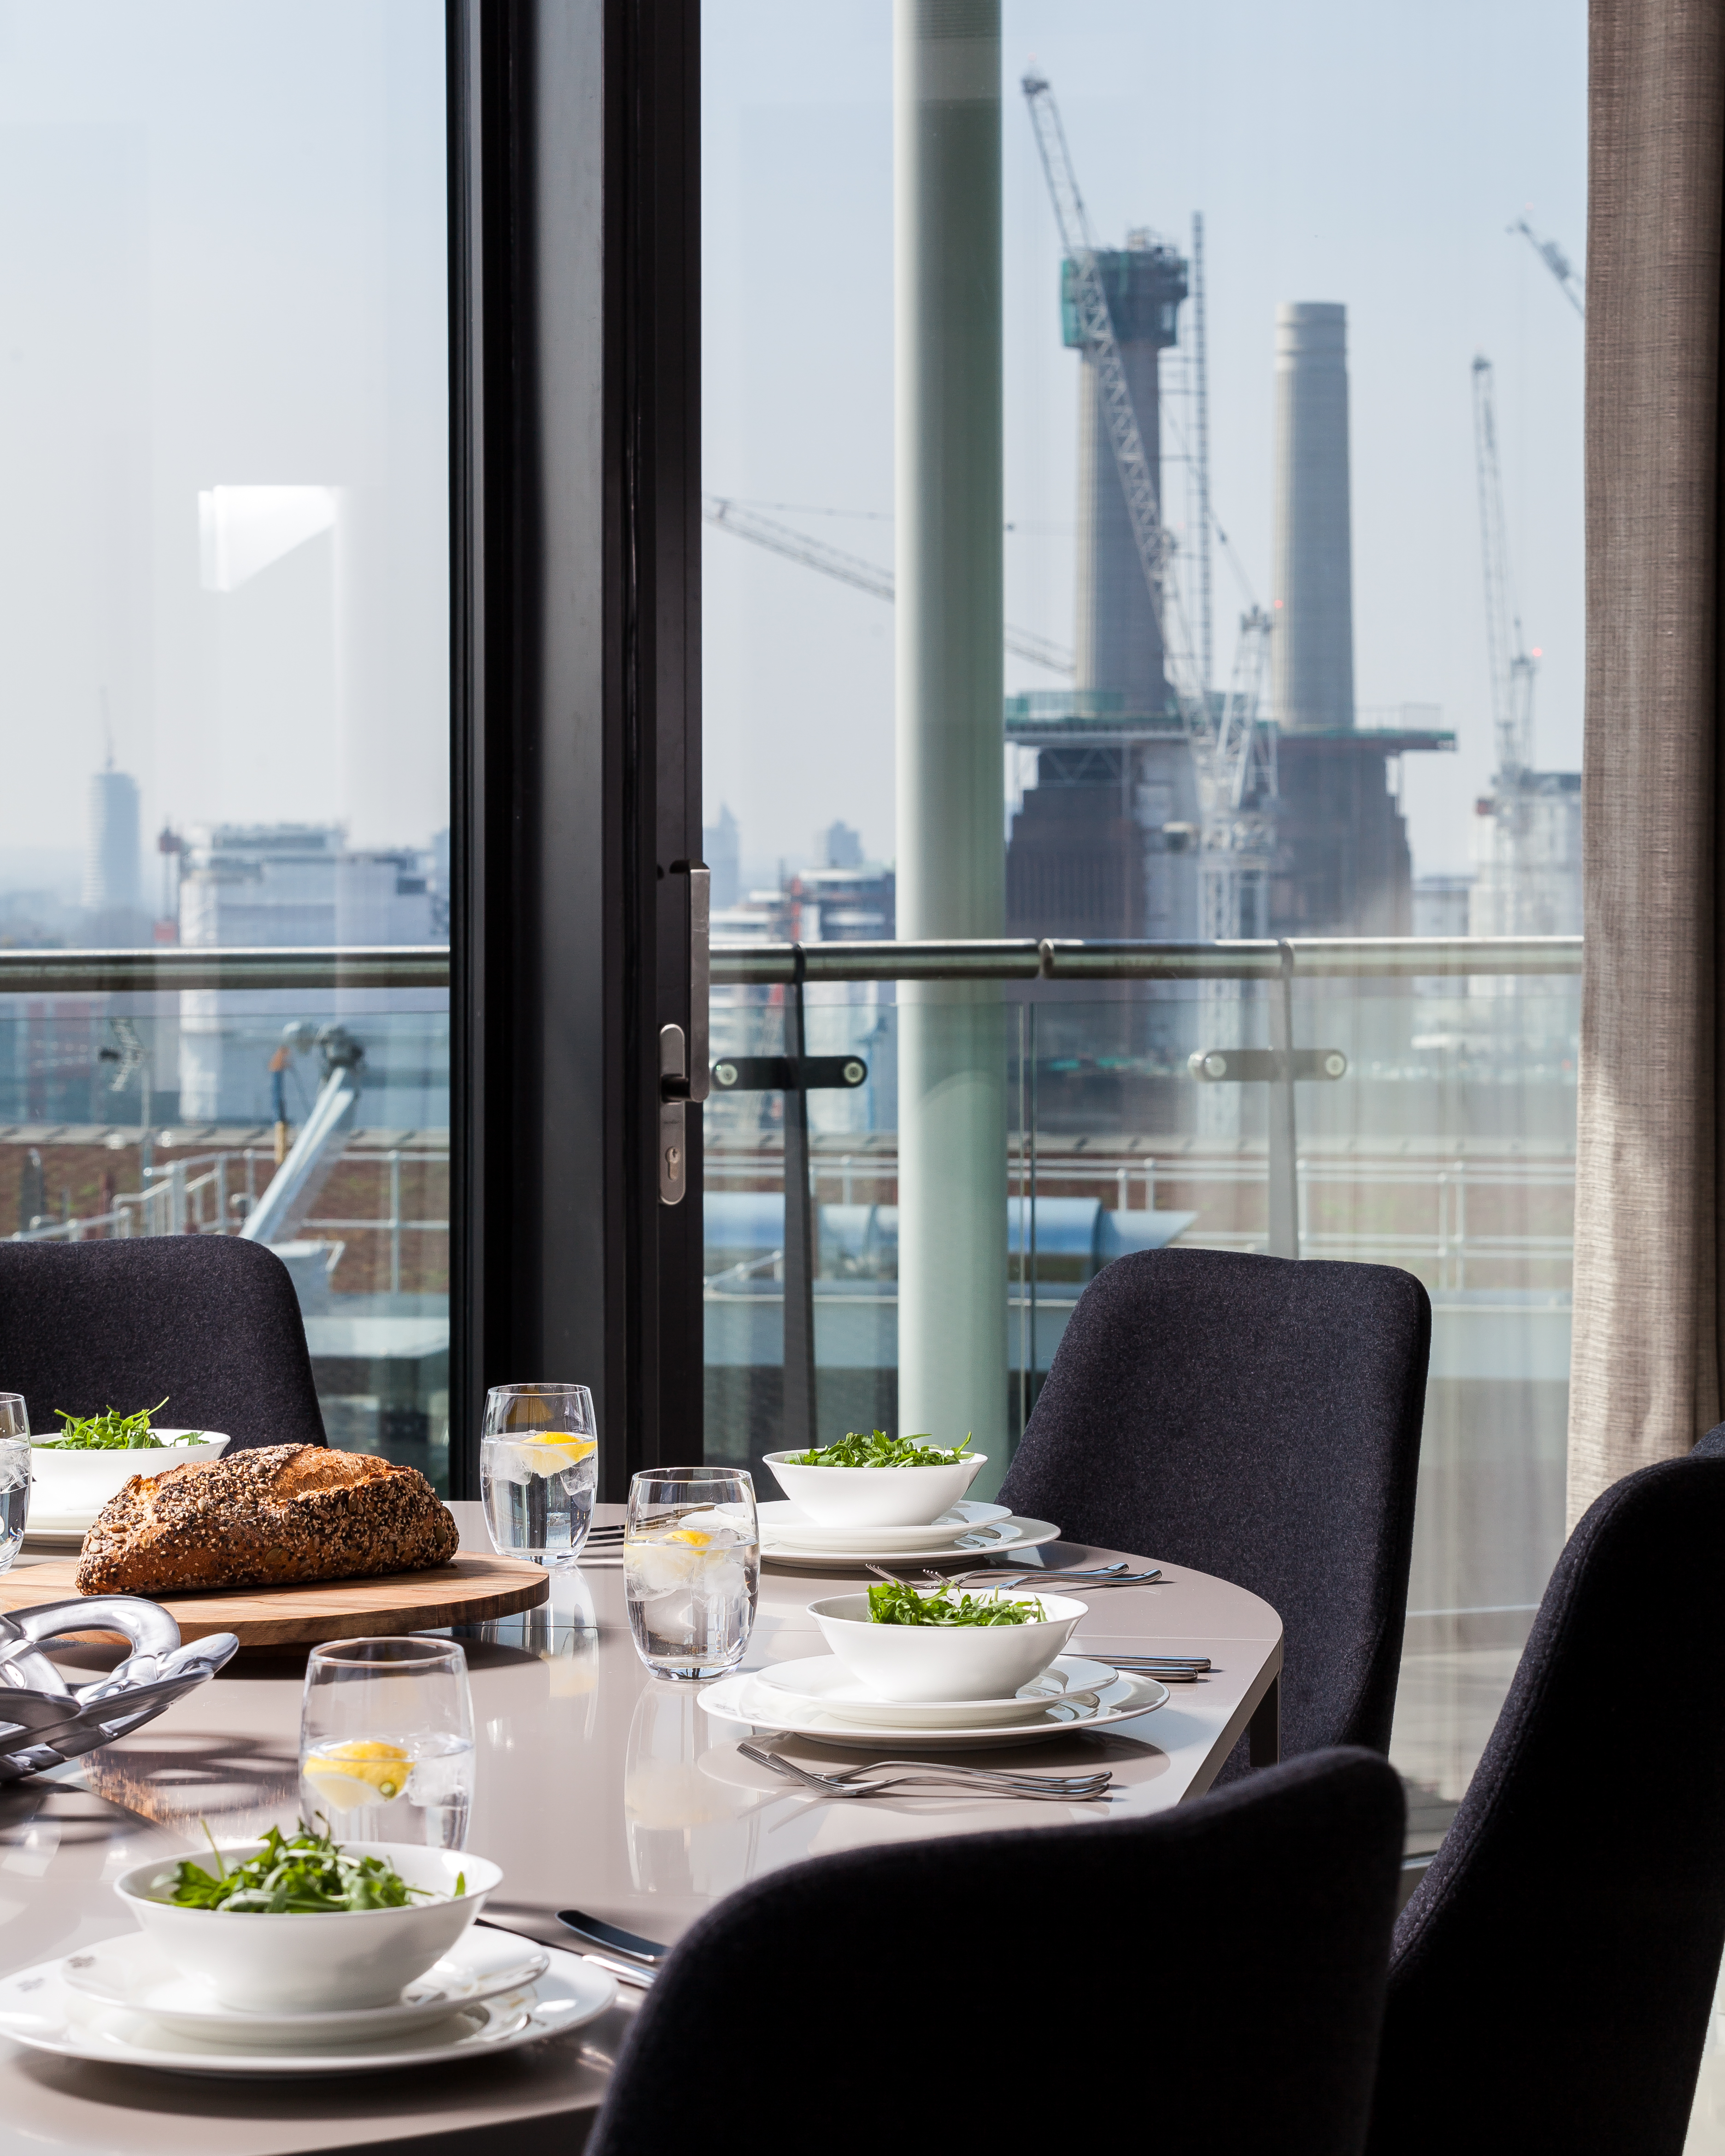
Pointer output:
x,y
168,969
1058,959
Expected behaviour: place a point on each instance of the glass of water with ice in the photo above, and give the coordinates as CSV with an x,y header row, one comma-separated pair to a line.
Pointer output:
x,y
691,1569
386,1741
14,1475
539,1468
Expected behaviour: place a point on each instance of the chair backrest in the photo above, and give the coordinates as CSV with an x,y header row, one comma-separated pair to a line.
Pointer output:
x,y
1210,1977
1258,1419
209,1323
1554,1969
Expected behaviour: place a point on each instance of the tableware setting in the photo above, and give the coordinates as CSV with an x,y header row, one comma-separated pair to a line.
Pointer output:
x,y
905,1776
782,1522
973,1657
14,1475
974,1539
539,1464
744,1700
386,1740
75,1469
691,1569
377,1965
133,1972
1001,1575
937,1667
38,2009
872,1481
824,1682
45,1721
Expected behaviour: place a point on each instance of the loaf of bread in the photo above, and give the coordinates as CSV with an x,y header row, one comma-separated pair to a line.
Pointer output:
x,y
276,1516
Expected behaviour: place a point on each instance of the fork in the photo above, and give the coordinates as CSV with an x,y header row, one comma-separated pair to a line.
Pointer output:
x,y
1106,1576
1013,1774
1065,1791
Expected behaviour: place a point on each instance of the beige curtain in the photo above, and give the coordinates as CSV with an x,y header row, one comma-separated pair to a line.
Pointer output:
x,y
1645,1378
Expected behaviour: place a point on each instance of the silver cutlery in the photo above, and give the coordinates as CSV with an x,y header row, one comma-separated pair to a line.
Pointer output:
x,y
613,1939
625,1972
1200,1663
853,1782
1104,1576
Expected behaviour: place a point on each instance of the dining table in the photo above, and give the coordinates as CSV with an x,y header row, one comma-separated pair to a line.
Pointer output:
x,y
598,1788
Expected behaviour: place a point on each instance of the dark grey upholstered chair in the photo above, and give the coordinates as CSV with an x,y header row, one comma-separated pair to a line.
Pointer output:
x,y
1228,1956
1553,1972
1257,1419
209,1322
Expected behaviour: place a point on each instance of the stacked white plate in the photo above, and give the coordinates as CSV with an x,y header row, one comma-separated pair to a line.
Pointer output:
x,y
68,1489
124,2001
968,1529
816,1696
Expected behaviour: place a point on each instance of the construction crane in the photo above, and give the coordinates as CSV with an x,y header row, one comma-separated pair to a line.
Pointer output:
x,y
1512,666
1560,264
1237,827
1235,836
1512,669
853,569
1201,453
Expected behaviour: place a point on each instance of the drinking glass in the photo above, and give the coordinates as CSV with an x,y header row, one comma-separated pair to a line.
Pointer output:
x,y
14,1475
691,1569
386,1741
539,1468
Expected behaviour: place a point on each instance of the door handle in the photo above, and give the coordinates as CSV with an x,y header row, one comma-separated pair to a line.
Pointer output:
x,y
684,1071
684,1075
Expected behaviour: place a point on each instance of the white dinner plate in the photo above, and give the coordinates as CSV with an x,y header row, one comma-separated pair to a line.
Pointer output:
x,y
746,1699
782,1522
976,1543
822,1680
37,2009
133,1972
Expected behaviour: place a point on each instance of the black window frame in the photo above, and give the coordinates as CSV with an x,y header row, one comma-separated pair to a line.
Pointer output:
x,y
574,288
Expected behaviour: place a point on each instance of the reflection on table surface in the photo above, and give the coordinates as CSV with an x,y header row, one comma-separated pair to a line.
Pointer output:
x,y
597,1787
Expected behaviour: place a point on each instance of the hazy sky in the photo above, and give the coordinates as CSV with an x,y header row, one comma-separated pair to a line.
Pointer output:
x,y
222,263
1369,154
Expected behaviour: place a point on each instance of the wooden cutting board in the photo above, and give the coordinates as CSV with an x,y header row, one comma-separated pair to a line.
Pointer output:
x,y
472,1588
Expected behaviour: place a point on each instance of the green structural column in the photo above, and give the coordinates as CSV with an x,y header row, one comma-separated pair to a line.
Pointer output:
x,y
951,851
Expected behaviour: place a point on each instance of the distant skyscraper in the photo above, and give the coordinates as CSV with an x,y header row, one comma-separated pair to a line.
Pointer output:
x,y
719,842
112,872
839,847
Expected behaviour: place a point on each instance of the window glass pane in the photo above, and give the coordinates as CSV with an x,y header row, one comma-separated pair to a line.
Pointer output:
x,y
1289,625
224,673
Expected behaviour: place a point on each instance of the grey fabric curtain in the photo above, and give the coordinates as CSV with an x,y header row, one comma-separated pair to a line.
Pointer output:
x,y
1645,1378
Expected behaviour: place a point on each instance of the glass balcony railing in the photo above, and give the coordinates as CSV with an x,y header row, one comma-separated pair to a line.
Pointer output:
x,y
1429,1122
301,1097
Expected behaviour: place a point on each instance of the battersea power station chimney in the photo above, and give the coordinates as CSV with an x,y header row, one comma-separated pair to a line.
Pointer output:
x,y
1312,651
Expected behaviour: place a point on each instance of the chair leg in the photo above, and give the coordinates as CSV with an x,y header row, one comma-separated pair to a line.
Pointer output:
x,y
1264,1730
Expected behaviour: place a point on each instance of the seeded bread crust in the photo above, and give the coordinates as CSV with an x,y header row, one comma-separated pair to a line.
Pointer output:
x,y
270,1516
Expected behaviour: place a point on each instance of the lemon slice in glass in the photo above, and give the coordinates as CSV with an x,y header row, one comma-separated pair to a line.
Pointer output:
x,y
362,1771
550,1451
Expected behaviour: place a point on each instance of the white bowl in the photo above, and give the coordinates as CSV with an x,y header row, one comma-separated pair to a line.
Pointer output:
x,y
874,1497
74,1486
314,1962
942,1662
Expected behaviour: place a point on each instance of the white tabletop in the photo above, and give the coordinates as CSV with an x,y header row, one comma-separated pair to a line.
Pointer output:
x,y
598,1789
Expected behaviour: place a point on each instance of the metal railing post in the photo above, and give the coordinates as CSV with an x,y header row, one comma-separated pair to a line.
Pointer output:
x,y
395,1224
800,1425
1283,1240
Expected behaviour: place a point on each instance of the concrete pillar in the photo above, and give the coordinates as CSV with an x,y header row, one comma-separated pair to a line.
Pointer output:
x,y
1312,651
952,865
